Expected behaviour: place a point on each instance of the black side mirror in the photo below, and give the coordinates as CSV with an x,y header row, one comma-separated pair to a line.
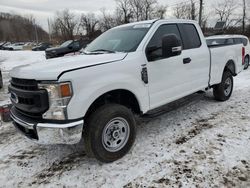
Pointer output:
x,y
171,46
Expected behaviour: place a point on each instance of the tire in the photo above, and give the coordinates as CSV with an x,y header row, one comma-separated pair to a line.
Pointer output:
x,y
246,62
110,124
1,80
223,91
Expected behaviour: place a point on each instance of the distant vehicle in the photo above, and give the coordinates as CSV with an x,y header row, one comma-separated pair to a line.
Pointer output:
x,y
65,48
218,40
15,46
42,46
3,45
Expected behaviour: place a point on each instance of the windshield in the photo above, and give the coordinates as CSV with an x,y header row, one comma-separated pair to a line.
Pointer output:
x,y
65,44
125,39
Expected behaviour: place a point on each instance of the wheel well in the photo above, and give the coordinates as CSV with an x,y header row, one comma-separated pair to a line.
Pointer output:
x,y
123,97
230,66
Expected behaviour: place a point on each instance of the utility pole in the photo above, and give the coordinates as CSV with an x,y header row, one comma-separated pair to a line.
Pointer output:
x,y
36,34
201,10
49,27
244,17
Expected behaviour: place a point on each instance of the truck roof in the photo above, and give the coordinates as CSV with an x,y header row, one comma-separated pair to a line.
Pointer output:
x,y
157,20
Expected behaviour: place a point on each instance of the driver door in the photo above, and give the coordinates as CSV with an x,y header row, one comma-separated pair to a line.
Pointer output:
x,y
167,76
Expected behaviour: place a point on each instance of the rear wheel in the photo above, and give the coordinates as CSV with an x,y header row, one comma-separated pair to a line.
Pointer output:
x,y
223,91
246,62
1,80
110,132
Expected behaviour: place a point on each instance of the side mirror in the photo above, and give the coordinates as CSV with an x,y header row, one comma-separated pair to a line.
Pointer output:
x,y
171,46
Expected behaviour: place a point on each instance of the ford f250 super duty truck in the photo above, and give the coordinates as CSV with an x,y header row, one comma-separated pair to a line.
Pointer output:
x,y
130,69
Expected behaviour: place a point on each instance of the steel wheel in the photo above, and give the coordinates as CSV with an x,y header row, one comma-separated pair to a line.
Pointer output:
x,y
227,87
115,134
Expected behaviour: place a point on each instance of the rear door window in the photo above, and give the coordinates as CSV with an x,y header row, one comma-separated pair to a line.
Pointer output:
x,y
190,36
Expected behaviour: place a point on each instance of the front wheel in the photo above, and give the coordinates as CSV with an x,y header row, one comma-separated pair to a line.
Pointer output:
x,y
110,132
223,91
246,63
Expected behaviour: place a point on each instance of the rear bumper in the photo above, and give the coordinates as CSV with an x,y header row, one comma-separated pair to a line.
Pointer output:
x,y
48,133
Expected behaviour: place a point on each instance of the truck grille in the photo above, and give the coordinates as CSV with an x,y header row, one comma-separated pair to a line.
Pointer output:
x,y
27,98
25,84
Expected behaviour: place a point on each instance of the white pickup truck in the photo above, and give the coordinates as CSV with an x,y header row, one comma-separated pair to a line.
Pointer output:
x,y
131,69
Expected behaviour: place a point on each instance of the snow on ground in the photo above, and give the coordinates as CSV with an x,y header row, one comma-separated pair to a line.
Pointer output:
x,y
198,143
10,59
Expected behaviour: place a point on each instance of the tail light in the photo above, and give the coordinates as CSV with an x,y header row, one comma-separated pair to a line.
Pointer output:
x,y
243,55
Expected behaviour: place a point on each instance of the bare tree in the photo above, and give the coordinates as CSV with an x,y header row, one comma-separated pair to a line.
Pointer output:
x,y
65,24
89,23
137,7
148,9
124,7
226,12
20,28
160,11
185,10
108,20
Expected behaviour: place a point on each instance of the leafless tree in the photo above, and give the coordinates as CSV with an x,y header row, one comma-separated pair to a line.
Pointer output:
x,y
160,11
65,24
89,23
137,7
20,28
107,20
125,9
225,10
184,11
148,9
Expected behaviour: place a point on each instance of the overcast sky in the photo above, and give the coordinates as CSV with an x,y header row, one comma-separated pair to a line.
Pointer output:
x,y
44,9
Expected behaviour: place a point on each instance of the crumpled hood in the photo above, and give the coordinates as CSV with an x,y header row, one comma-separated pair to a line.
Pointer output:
x,y
51,69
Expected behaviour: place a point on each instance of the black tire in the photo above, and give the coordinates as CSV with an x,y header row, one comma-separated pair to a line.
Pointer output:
x,y
1,80
94,134
219,90
246,62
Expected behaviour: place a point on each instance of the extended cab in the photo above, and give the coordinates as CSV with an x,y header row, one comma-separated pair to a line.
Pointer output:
x,y
130,69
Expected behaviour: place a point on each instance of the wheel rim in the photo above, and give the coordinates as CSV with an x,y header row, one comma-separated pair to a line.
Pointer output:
x,y
228,87
115,134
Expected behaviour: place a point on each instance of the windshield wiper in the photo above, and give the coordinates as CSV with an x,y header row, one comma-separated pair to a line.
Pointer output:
x,y
102,50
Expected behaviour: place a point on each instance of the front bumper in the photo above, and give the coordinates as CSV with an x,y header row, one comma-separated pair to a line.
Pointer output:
x,y
48,133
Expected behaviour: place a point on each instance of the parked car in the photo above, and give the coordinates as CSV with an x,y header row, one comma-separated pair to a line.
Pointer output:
x,y
15,46
65,48
3,45
230,40
130,69
41,47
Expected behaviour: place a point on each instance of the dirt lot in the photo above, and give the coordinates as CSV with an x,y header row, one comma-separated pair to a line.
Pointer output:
x,y
197,143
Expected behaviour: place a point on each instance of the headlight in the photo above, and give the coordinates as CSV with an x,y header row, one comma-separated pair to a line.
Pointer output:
x,y
59,97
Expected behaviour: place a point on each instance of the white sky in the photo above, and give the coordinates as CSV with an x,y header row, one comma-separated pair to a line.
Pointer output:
x,y
44,9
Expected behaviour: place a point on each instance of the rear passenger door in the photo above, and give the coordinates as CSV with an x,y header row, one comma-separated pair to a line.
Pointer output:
x,y
193,49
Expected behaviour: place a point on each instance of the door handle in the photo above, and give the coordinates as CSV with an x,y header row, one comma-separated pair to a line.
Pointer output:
x,y
187,60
